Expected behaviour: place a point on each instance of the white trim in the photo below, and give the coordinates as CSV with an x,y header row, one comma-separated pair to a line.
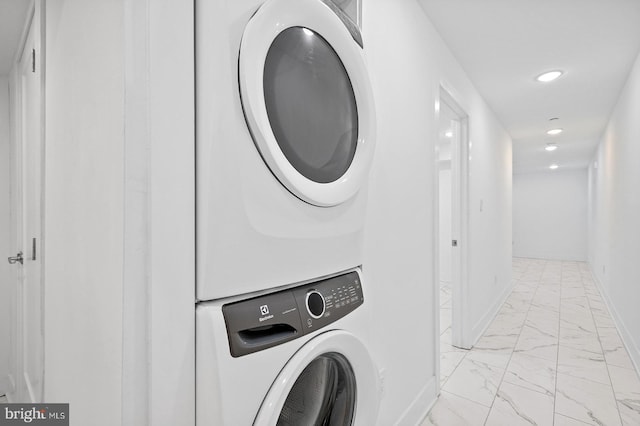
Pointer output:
x,y
421,405
270,20
23,35
461,328
481,326
41,64
16,171
435,247
171,225
136,288
158,350
29,391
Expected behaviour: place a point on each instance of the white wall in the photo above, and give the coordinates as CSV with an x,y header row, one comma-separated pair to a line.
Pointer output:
x,y
614,212
408,63
83,224
5,235
550,215
119,211
490,214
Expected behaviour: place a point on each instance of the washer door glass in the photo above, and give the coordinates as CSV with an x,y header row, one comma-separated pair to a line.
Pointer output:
x,y
310,104
323,395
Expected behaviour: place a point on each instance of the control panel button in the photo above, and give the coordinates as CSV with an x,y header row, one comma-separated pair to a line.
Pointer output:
x,y
315,304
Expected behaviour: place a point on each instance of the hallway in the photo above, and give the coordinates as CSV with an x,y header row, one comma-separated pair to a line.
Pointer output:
x,y
552,356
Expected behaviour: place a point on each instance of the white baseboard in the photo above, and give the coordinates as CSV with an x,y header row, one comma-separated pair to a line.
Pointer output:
x,y
420,406
557,257
627,338
491,313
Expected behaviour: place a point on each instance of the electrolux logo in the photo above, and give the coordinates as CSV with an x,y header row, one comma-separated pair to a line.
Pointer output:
x,y
36,414
264,310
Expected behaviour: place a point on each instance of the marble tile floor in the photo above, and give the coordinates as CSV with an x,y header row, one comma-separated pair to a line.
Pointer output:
x,y
552,356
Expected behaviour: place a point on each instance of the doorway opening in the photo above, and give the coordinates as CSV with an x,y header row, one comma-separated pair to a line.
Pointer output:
x,y
452,224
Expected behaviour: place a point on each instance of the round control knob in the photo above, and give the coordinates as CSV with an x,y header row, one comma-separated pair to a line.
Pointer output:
x,y
315,304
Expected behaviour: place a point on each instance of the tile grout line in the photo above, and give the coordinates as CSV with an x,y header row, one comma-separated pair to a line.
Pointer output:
x,y
591,313
555,386
606,363
466,352
572,280
513,349
559,299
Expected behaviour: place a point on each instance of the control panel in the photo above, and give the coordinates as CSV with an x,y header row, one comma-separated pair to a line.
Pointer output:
x,y
266,321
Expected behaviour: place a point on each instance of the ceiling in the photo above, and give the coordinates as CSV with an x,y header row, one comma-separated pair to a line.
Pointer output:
x,y
504,44
12,19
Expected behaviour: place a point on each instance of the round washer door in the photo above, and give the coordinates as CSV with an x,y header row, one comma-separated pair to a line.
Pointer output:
x,y
307,99
331,380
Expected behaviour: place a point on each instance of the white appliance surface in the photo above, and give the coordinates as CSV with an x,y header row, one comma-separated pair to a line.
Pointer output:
x,y
251,389
261,222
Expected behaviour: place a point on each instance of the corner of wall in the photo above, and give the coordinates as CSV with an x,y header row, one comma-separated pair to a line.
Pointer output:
x,y
419,408
486,319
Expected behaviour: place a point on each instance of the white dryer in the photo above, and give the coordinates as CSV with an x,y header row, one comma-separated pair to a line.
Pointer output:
x,y
294,357
285,138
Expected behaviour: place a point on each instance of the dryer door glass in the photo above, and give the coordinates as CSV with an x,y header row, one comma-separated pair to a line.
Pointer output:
x,y
323,395
310,104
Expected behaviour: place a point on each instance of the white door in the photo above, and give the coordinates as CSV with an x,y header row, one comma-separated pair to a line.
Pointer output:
x,y
27,342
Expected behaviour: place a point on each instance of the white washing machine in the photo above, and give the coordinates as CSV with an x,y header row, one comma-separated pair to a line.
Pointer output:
x,y
285,138
293,357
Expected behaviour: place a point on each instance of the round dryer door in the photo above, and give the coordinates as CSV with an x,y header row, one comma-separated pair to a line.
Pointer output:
x,y
307,98
330,381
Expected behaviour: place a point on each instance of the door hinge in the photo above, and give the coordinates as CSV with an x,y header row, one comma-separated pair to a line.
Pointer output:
x,y
33,60
33,249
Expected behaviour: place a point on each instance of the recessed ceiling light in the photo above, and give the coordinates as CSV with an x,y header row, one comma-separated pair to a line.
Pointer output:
x,y
554,132
548,76
551,147
448,134
553,166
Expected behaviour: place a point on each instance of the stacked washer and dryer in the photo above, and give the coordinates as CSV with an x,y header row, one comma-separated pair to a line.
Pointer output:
x,y
285,139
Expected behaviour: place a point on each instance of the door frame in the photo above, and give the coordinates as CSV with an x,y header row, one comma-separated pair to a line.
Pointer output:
x,y
20,391
460,325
